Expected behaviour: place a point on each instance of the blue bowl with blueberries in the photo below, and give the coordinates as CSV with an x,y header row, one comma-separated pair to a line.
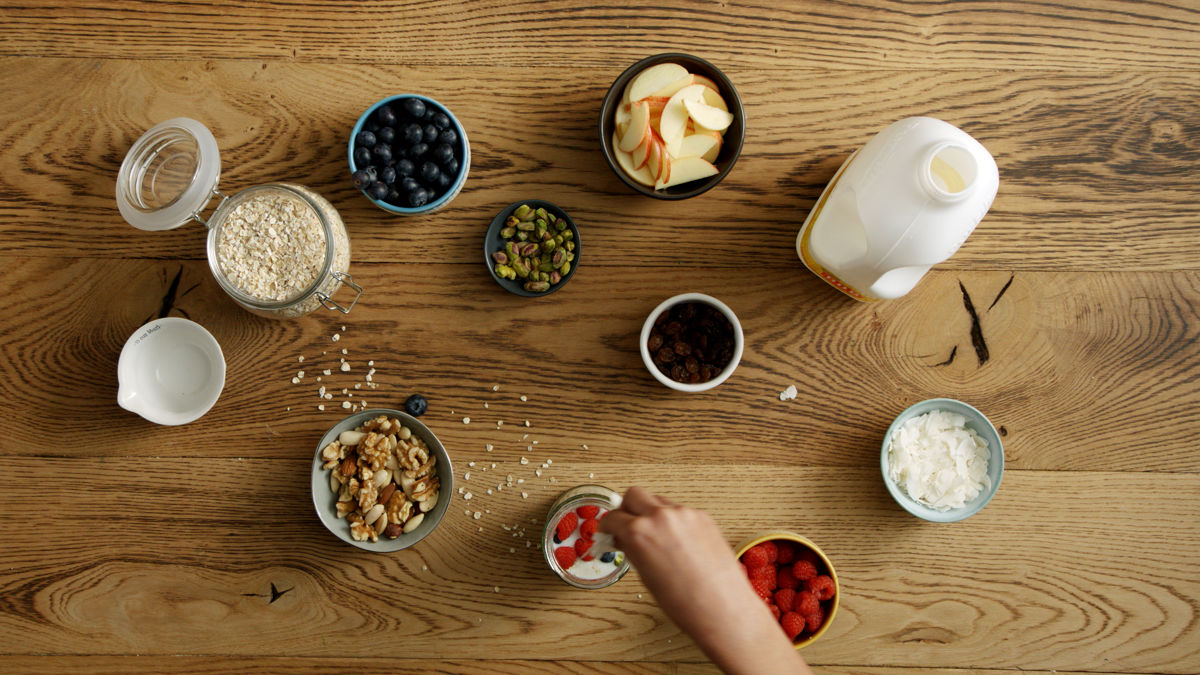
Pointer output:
x,y
409,154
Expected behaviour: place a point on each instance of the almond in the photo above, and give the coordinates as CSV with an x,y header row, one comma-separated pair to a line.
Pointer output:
x,y
393,530
385,493
350,465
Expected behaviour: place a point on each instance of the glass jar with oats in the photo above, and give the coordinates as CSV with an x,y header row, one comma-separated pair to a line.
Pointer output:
x,y
279,250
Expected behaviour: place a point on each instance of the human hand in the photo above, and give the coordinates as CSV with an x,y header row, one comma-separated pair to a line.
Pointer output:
x,y
686,563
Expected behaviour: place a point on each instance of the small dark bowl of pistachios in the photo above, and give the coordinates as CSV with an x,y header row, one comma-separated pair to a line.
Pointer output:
x,y
532,248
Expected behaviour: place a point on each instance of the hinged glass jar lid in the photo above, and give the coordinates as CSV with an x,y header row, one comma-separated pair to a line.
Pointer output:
x,y
279,250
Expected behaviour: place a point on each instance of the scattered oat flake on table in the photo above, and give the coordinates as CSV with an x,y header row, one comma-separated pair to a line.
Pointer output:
x,y
295,380
477,515
345,404
526,422
524,495
466,420
321,406
788,394
488,447
325,372
584,446
300,359
337,336
495,387
524,397
345,367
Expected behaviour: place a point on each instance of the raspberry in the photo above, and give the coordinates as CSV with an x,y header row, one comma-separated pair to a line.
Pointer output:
x,y
785,597
587,511
772,550
755,558
815,619
786,579
587,528
581,547
565,555
806,603
822,587
804,570
766,575
793,624
567,525
787,553
761,589
809,555
775,611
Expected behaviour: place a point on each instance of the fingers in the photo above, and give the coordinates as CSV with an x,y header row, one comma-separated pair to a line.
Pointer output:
x,y
616,523
639,501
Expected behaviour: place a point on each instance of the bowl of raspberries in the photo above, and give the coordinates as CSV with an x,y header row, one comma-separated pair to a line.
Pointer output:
x,y
409,154
796,580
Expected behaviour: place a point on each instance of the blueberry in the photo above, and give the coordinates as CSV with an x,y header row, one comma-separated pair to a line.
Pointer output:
x,y
431,133
443,153
430,172
377,190
556,539
387,135
607,557
413,134
365,137
386,116
361,179
405,167
393,197
362,155
449,136
451,167
388,175
430,113
418,150
383,152
371,126
408,184
445,180
415,108
441,121
418,197
416,405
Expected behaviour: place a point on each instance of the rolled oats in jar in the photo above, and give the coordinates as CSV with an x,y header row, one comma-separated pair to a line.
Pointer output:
x,y
279,250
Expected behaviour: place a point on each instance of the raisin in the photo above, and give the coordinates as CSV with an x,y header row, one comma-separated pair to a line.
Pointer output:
x,y
656,342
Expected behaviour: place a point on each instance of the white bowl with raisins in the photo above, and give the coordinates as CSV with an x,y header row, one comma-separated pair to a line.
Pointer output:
x,y
691,342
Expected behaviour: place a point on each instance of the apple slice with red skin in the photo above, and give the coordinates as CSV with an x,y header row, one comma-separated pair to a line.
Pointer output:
x,y
624,160
639,127
654,78
686,170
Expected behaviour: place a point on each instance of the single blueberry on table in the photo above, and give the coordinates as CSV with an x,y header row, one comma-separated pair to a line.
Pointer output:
x,y
415,108
362,155
416,405
386,116
378,190
386,135
413,134
365,137
405,167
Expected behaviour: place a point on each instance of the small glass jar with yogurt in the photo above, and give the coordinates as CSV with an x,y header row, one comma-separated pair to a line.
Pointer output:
x,y
605,569
279,250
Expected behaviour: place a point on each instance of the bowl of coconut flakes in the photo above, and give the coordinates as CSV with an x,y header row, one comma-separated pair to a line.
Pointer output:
x,y
942,460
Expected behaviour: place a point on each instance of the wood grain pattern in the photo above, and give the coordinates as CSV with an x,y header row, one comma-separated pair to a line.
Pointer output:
x,y
1117,350
1097,168
1066,597
824,34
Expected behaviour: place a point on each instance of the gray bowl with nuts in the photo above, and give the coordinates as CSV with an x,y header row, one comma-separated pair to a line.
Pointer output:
x,y
381,480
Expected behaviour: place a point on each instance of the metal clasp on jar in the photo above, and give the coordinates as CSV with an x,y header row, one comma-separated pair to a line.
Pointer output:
x,y
348,280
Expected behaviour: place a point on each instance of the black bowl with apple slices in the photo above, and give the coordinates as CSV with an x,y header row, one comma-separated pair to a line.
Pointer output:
x,y
730,144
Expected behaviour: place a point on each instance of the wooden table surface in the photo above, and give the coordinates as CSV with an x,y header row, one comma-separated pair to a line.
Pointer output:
x,y
131,547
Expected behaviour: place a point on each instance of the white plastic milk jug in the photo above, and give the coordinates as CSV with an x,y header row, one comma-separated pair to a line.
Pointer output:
x,y
902,203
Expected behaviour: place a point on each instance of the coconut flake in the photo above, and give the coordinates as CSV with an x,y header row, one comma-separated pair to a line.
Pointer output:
x,y
938,461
